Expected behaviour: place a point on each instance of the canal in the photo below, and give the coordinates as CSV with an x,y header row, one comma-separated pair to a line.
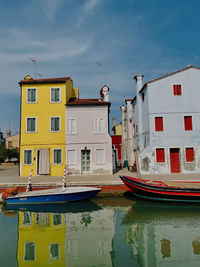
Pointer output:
x,y
103,232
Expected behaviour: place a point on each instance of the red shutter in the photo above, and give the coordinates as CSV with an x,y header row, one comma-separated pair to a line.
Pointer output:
x,y
179,89
188,123
175,89
160,155
136,129
159,124
189,154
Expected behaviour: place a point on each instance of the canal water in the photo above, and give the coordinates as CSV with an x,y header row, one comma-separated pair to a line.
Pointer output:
x,y
103,232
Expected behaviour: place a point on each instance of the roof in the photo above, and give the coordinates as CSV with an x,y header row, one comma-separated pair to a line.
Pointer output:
x,y
129,99
76,102
168,75
48,80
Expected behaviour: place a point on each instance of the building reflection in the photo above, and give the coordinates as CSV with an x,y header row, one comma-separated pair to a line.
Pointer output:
x,y
66,239
163,235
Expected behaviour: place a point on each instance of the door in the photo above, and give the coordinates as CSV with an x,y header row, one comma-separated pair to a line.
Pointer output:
x,y
175,160
85,160
43,161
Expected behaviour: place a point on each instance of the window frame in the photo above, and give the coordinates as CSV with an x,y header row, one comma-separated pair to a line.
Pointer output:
x,y
177,89
28,164
97,126
69,129
159,149
157,127
35,124
31,102
70,163
186,125
59,124
104,158
55,163
51,95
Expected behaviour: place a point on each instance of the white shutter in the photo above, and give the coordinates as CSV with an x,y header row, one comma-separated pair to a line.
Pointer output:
x,y
71,157
100,156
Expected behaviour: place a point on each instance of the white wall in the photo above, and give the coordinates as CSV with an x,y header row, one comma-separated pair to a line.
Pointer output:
x,y
86,138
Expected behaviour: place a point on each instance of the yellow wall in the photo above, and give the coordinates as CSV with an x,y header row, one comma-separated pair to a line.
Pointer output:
x,y
43,138
118,129
42,232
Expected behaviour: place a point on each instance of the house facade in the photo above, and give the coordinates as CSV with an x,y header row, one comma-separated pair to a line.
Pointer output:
x,y
42,131
167,122
117,142
88,143
12,141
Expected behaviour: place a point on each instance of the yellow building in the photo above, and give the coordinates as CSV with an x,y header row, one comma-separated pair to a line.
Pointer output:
x,y
42,140
41,239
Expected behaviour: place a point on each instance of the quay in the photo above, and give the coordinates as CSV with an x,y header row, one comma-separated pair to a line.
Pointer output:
x,y
111,185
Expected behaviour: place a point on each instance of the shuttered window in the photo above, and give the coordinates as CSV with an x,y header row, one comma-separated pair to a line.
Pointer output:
x,y
177,89
188,123
100,156
31,95
189,154
55,95
99,126
160,155
31,125
159,124
57,156
71,157
71,126
27,157
55,124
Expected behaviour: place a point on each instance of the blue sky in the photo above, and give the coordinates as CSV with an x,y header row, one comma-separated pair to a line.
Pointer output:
x,y
68,37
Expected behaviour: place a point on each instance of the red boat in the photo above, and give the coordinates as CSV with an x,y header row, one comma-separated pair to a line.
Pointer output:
x,y
160,191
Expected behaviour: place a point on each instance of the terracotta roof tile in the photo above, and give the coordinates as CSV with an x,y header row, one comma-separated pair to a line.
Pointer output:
x,y
75,101
48,80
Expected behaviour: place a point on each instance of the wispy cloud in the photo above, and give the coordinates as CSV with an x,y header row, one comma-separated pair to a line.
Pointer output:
x,y
51,8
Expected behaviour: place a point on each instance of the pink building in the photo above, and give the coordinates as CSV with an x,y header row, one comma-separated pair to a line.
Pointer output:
x,y
88,143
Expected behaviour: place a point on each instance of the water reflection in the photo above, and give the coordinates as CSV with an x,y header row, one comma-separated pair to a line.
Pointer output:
x,y
164,234
109,232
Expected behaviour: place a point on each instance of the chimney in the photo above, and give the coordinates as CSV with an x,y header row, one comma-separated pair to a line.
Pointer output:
x,y
104,93
8,133
138,79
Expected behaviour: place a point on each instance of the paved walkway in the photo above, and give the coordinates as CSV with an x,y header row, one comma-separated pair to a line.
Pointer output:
x,y
9,176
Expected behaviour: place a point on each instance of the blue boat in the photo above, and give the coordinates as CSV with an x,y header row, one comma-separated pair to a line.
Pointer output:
x,y
52,196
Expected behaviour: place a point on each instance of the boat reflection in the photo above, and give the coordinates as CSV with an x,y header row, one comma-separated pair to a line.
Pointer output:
x,y
167,234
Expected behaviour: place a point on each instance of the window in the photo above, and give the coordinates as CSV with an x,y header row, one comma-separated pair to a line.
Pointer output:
x,y
31,95
57,219
55,124
71,126
159,124
99,125
142,96
57,156
160,155
189,154
29,251
54,251
177,89
188,123
100,156
30,125
27,157
55,95
71,157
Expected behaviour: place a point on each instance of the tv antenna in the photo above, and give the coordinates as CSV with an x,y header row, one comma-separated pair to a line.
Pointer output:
x,y
34,61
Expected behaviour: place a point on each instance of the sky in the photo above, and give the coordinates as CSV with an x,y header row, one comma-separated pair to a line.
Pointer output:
x,y
95,42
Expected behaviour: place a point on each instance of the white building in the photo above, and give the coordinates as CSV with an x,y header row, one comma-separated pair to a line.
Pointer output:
x,y
88,143
167,122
